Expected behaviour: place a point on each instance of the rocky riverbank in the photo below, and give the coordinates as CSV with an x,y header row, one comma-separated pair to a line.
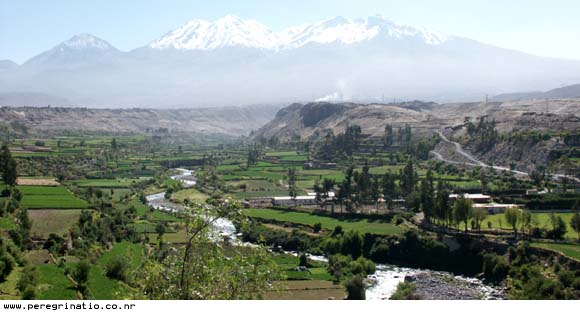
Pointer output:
x,y
444,286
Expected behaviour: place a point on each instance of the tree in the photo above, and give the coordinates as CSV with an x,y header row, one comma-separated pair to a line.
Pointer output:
x,y
575,223
376,191
558,226
512,216
352,244
292,191
462,210
8,167
479,215
575,220
7,258
24,226
205,267
526,221
117,268
317,227
389,186
81,272
27,282
388,138
408,178
427,198
442,208
405,291
355,288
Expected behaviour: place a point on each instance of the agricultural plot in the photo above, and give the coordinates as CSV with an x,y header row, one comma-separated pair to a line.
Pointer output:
x,y
288,264
50,197
37,181
569,250
191,194
45,222
155,215
541,219
145,227
7,224
104,288
132,251
306,290
179,237
8,289
108,183
329,223
54,285
281,153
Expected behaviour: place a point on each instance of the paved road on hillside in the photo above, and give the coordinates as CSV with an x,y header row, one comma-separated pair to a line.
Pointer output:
x,y
479,163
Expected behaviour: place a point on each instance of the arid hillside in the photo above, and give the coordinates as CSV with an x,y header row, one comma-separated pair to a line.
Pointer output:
x,y
309,121
235,121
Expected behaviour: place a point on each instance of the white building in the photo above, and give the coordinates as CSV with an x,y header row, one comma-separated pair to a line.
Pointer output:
x,y
494,208
289,201
476,198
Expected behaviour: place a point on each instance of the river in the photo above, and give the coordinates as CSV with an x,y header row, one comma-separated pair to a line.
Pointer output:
x,y
383,283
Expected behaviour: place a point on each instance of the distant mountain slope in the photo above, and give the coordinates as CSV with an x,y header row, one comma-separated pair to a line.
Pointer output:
x,y
32,99
570,91
313,120
7,65
235,121
230,62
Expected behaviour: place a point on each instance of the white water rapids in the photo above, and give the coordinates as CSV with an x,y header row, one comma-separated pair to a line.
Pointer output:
x,y
383,282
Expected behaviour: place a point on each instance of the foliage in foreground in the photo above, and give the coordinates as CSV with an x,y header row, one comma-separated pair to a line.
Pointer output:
x,y
405,291
206,267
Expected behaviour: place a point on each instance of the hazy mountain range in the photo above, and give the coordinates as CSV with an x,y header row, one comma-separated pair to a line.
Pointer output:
x,y
232,61
570,91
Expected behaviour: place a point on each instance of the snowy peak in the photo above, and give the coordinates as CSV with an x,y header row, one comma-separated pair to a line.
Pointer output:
x,y
76,49
7,65
227,31
86,42
232,31
345,31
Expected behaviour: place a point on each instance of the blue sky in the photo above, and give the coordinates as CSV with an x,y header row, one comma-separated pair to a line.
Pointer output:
x,y
546,28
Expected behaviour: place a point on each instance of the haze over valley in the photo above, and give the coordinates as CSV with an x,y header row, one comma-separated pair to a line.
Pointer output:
x,y
306,158
232,61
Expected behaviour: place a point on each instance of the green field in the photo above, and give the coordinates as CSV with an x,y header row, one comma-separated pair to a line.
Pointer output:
x,y
43,190
45,222
288,264
192,194
104,288
132,251
155,215
8,289
7,224
361,225
54,285
281,153
542,220
107,183
53,202
569,250
50,197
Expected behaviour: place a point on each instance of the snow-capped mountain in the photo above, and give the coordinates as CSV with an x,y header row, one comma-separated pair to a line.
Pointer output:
x,y
7,65
225,32
232,61
77,48
231,31
86,42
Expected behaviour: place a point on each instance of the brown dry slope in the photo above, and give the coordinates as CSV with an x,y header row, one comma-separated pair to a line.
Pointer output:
x,y
234,121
